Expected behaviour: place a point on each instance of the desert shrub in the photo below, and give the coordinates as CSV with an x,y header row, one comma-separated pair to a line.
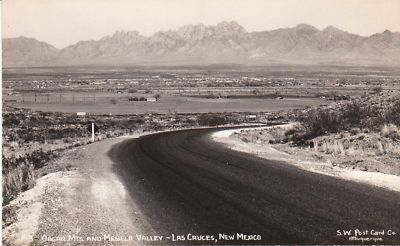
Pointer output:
x,y
245,139
190,122
355,131
133,99
390,131
290,131
17,179
353,115
18,172
278,134
37,158
211,120
43,134
377,89
393,114
321,121
138,121
298,134
300,138
11,120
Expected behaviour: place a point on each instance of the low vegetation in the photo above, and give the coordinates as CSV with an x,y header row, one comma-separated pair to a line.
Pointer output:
x,y
18,172
362,133
32,139
356,114
216,119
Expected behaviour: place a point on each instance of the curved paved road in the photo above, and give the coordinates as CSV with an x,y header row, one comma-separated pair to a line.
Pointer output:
x,y
184,183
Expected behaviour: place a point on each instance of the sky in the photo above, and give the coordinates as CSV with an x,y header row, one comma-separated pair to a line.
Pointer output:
x,y
65,22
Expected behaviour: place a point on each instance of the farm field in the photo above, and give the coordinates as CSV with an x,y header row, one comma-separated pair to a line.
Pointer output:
x,y
107,90
170,104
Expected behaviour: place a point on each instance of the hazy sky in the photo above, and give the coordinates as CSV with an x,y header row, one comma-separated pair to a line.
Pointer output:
x,y
64,22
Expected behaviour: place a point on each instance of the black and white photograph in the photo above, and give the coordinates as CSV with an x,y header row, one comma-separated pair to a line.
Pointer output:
x,y
200,122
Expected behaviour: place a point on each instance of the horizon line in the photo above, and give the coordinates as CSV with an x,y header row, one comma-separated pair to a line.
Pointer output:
x,y
229,22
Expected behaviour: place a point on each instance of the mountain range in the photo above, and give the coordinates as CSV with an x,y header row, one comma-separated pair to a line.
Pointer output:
x,y
226,42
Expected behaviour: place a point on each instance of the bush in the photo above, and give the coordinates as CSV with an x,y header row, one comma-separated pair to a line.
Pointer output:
x,y
211,120
377,90
391,131
18,173
291,131
349,116
354,131
133,99
321,121
393,114
11,120
17,179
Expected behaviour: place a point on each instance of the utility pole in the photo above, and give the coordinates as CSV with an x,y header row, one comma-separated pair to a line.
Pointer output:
x,y
92,132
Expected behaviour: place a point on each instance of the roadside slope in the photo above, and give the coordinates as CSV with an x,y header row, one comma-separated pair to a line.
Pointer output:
x,y
267,151
69,206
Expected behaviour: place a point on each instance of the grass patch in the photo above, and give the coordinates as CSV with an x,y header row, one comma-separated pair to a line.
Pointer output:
x,y
19,173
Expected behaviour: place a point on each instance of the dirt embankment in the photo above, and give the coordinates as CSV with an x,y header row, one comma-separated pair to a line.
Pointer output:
x,y
81,197
364,151
358,139
348,155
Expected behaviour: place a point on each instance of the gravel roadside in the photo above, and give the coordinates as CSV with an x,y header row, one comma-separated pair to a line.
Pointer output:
x,y
267,151
86,204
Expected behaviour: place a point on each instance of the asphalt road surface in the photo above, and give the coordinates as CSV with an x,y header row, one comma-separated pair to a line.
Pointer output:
x,y
184,183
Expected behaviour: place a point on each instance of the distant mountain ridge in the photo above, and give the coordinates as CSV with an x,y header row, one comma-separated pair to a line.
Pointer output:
x,y
226,42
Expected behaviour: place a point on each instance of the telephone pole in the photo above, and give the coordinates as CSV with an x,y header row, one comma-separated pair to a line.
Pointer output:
x,y
92,132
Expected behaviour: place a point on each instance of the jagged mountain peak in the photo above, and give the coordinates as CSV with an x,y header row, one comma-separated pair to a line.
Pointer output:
x,y
123,34
332,29
304,26
204,44
387,32
231,26
305,30
193,32
232,23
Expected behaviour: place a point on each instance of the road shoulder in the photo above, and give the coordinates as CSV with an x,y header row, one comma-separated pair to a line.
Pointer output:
x,y
267,151
71,206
